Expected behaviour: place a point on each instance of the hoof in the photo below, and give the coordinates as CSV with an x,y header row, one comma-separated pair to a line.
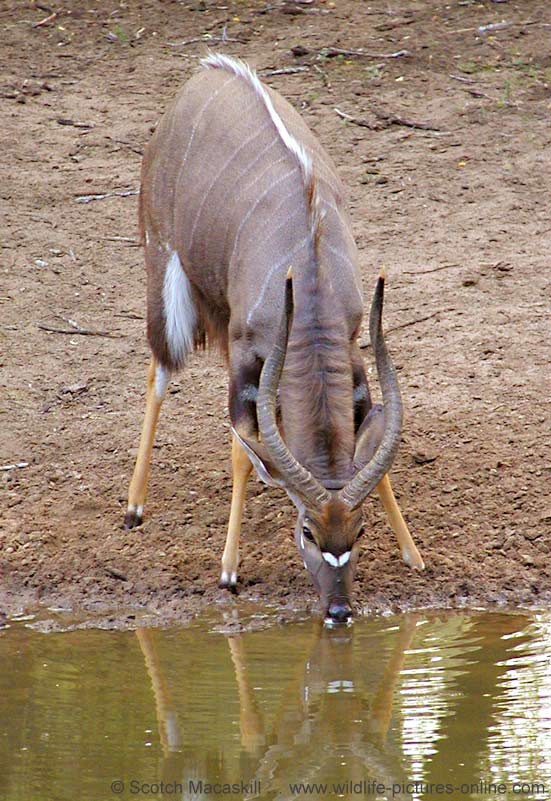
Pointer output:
x,y
228,581
133,517
413,559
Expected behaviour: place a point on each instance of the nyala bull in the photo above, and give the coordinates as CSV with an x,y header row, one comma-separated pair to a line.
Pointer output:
x,y
248,245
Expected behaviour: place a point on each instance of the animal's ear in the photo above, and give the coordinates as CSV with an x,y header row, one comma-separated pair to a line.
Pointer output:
x,y
369,436
260,460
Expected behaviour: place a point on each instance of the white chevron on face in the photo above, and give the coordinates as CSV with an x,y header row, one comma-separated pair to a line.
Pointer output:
x,y
336,561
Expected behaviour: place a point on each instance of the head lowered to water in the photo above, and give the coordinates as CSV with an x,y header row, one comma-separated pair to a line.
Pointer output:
x,y
235,190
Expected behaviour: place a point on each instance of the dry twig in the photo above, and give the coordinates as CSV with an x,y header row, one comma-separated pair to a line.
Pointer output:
x,y
206,39
66,121
91,198
16,466
461,78
325,80
390,119
76,329
137,150
393,119
46,20
127,239
285,71
331,52
354,120
433,270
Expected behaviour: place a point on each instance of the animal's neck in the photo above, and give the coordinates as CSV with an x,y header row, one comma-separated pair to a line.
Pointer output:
x,y
316,388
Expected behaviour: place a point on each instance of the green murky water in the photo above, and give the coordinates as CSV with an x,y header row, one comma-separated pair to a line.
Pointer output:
x,y
411,707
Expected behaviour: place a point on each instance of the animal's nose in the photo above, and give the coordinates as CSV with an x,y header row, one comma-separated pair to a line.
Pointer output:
x,y
339,611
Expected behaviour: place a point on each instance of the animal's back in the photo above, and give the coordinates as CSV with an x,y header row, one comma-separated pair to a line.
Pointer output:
x,y
225,184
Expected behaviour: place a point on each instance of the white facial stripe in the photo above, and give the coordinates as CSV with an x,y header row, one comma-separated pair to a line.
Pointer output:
x,y
336,561
301,540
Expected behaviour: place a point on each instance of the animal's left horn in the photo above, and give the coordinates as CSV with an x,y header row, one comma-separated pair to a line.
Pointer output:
x,y
297,477
359,487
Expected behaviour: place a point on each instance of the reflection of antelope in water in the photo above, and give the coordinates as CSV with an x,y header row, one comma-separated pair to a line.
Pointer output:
x,y
235,190
325,717
325,714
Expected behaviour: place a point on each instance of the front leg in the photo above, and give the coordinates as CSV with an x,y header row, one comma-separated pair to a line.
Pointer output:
x,y
410,554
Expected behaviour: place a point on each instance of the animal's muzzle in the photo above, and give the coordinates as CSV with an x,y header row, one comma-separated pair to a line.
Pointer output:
x,y
339,611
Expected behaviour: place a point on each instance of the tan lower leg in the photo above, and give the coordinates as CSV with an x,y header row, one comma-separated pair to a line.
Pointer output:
x,y
241,467
138,485
410,554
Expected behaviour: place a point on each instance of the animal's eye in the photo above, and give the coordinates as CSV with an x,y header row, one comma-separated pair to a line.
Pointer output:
x,y
308,533
361,532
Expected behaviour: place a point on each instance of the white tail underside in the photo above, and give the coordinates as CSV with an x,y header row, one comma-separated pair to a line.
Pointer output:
x,y
180,314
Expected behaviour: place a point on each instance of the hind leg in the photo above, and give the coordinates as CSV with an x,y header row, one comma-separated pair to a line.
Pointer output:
x,y
241,470
157,381
244,377
171,326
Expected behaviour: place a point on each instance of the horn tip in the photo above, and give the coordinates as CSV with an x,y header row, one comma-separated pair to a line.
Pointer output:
x,y
288,302
379,289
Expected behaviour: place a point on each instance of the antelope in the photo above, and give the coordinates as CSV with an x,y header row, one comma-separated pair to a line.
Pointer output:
x,y
248,246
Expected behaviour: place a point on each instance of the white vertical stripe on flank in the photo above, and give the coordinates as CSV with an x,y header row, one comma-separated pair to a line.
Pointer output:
x,y
180,314
285,262
218,175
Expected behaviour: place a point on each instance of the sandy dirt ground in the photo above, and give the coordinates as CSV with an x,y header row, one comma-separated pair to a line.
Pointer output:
x,y
447,161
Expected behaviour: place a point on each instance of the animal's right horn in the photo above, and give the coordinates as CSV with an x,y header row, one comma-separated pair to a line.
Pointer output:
x,y
359,487
298,477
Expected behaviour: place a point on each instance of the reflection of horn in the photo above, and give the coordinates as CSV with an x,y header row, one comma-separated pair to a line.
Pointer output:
x,y
167,722
250,719
381,706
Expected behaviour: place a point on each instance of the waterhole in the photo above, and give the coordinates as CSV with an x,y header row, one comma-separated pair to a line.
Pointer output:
x,y
419,706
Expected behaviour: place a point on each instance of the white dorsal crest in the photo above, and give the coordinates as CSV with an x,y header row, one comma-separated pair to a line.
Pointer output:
x,y
303,159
